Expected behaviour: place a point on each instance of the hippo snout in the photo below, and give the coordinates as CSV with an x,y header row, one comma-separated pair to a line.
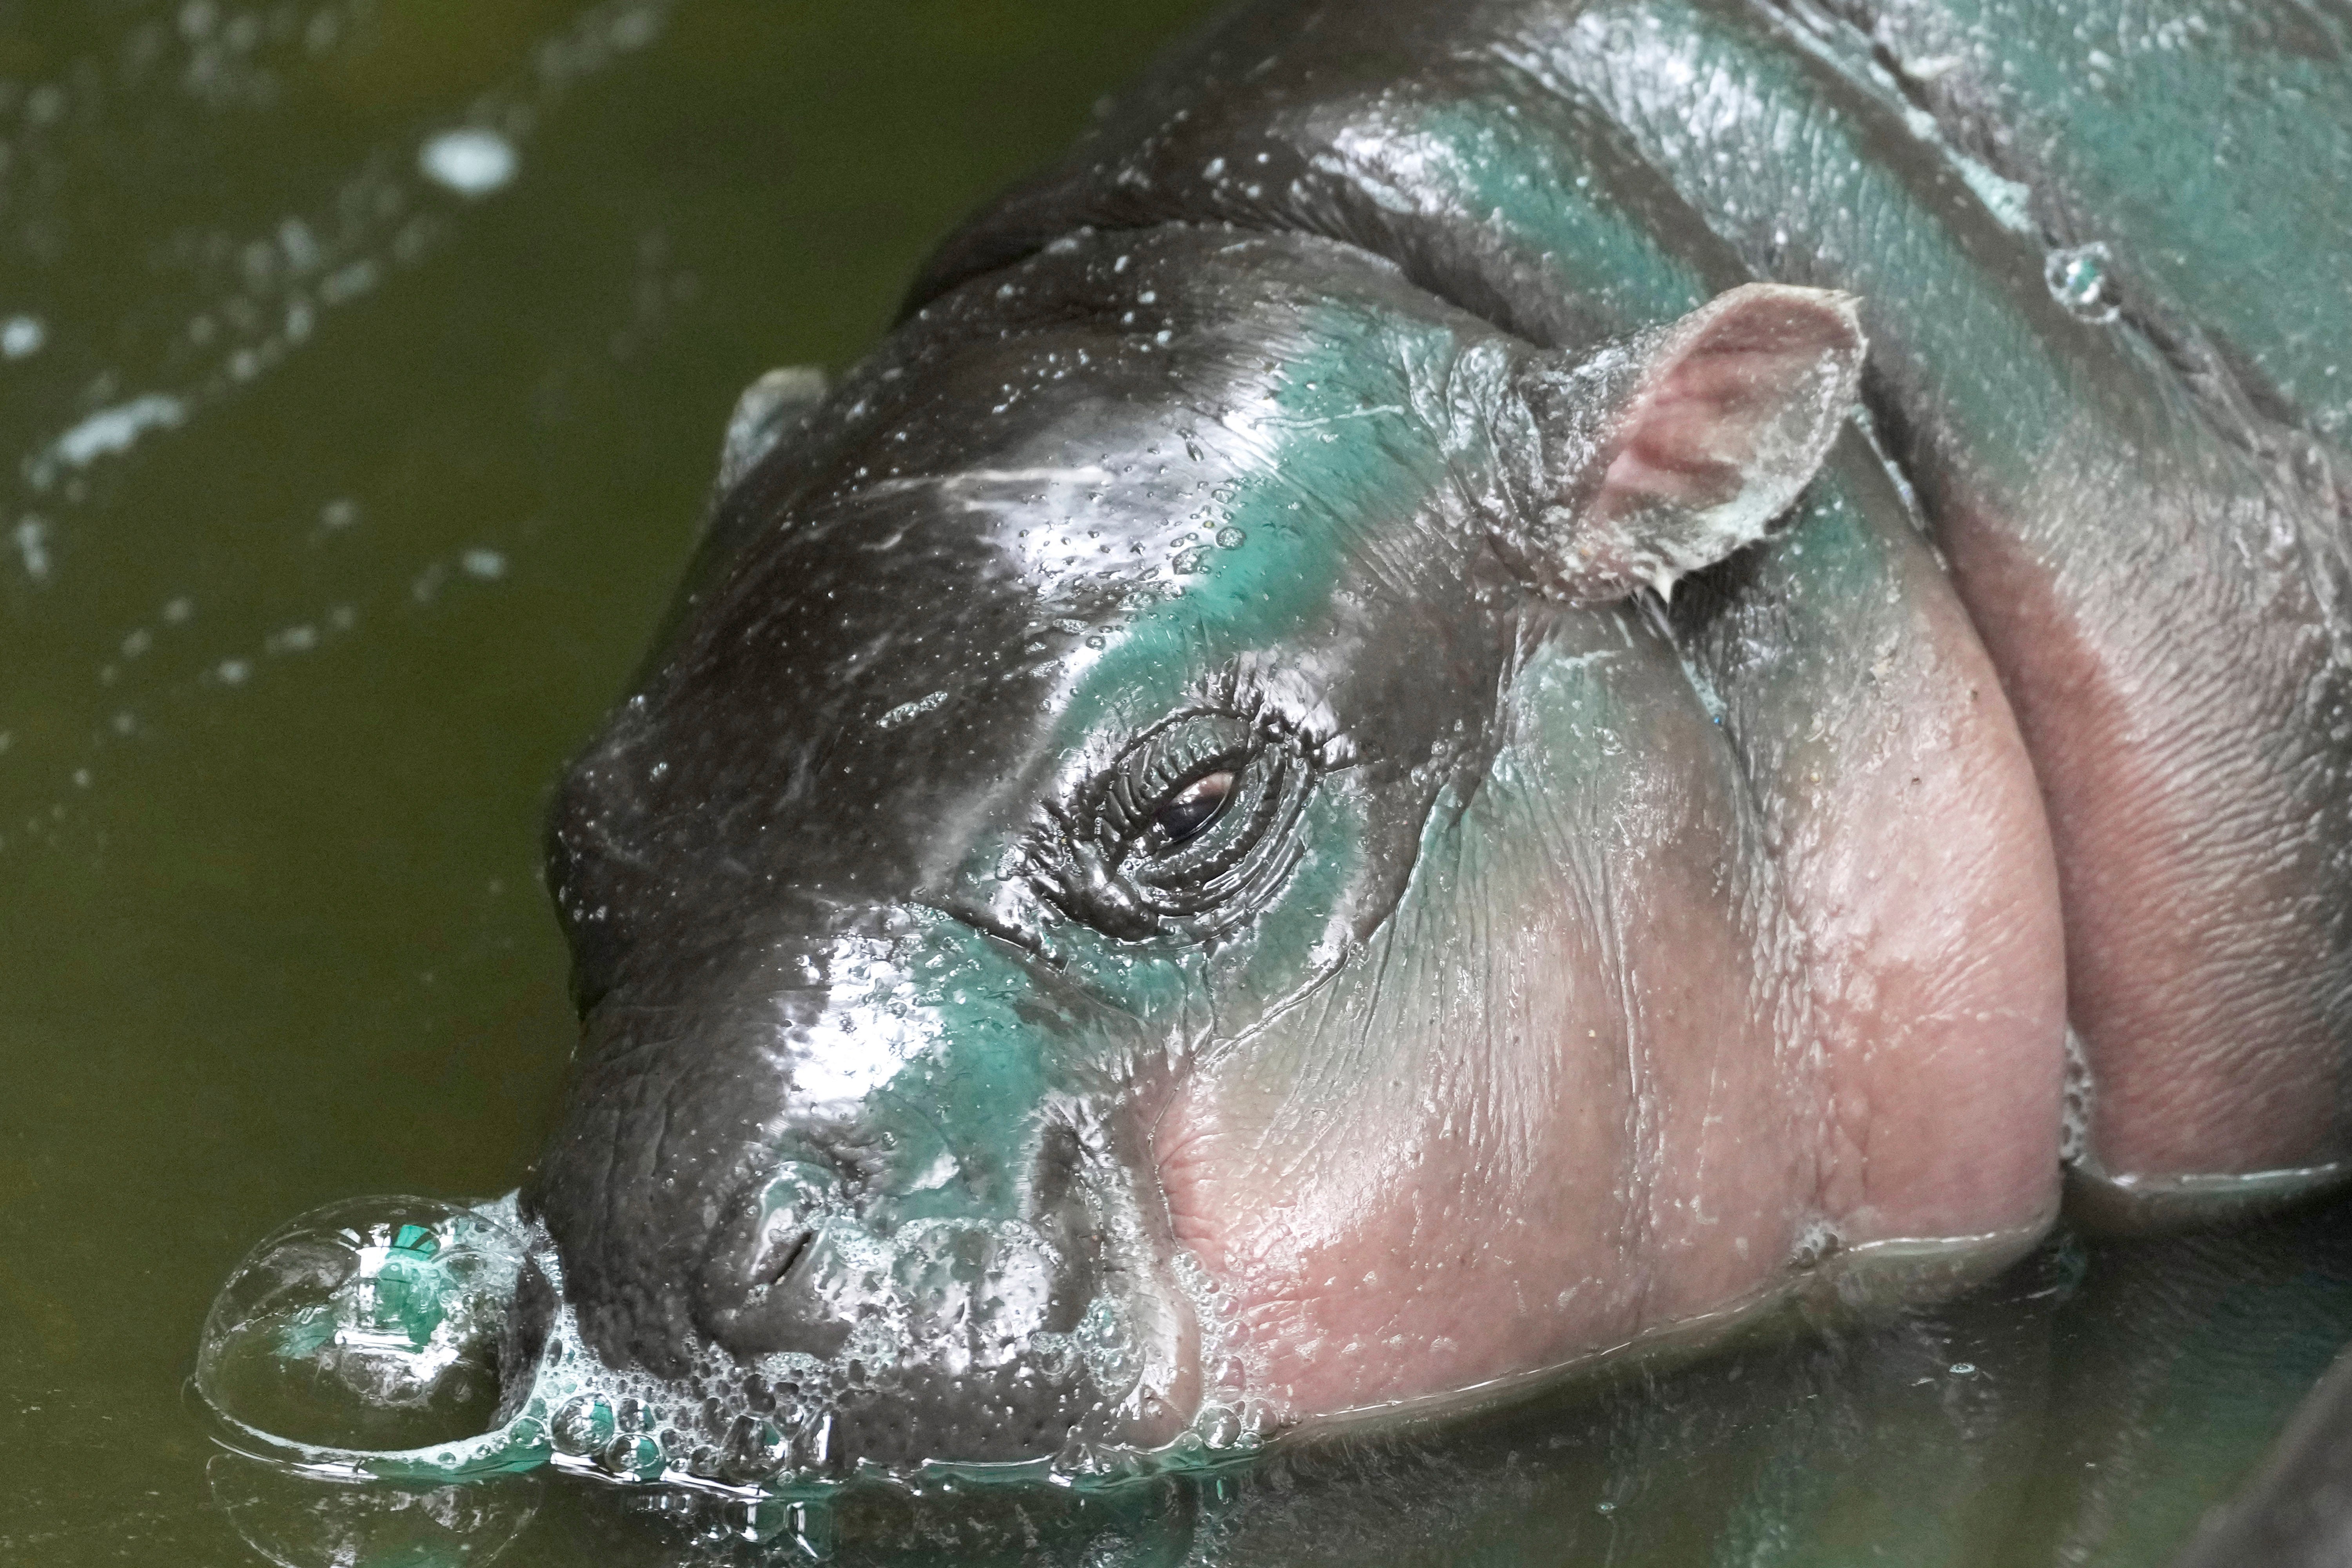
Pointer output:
x,y
793,1264
966,1327
830,1176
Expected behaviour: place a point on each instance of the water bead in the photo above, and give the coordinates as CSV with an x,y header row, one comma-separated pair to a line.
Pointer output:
x,y
756,1450
374,1323
2080,278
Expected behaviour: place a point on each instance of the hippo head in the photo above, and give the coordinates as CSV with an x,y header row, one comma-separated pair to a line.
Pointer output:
x,y
1014,849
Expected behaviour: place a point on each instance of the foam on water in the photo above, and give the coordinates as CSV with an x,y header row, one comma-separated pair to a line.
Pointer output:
x,y
405,1340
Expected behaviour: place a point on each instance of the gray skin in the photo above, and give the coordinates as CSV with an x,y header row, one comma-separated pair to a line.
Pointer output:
x,y
1594,926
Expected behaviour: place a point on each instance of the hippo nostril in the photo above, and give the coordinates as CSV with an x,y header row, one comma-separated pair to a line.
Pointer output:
x,y
777,1256
755,1296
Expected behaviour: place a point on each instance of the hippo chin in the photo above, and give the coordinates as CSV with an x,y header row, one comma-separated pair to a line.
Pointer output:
x,y
1497,680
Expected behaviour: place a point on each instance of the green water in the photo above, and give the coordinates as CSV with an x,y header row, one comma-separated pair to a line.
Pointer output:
x,y
402,478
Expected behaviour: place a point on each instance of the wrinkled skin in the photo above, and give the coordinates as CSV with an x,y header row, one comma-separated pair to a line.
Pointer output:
x,y
1601,920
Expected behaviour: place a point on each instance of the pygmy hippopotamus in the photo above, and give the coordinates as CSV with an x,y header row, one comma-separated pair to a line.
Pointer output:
x,y
1497,680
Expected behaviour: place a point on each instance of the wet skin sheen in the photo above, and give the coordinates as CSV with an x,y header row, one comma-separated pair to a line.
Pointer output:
x,y
1238,828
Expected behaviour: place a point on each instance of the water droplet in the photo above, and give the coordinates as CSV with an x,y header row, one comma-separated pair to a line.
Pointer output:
x,y
637,1458
2081,278
21,336
472,162
756,1450
1220,1427
1231,538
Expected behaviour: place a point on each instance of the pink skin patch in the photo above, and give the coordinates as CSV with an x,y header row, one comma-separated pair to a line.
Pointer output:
x,y
1671,1023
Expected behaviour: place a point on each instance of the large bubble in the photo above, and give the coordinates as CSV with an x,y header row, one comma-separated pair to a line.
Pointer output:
x,y
371,1328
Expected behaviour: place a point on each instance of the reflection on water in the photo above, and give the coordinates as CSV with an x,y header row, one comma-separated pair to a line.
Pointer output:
x,y
299,1521
363,367
2085,1409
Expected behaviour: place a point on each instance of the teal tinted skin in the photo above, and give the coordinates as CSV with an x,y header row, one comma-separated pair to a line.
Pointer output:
x,y
2205,148
1338,476
2100,509
1306,566
1837,587
1565,171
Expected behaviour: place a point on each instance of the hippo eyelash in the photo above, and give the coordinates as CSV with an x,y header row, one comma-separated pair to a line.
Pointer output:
x,y
1107,859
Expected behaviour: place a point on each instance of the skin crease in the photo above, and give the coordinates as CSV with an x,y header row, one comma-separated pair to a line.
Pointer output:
x,y
2203,977
1916,867
1630,915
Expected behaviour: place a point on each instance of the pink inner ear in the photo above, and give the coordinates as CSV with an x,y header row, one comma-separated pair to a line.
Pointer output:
x,y
1716,413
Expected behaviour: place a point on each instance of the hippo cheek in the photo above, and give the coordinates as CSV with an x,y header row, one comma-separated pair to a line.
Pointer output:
x,y
1502,1140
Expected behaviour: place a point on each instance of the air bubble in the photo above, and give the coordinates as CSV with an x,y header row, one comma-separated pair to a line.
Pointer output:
x,y
637,1458
584,1425
1220,1427
756,1450
2080,278
374,1325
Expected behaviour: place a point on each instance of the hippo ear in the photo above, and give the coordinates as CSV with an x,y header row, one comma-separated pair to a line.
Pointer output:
x,y
770,408
1664,452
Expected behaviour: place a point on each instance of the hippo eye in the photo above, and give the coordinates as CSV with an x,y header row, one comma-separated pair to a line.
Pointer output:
x,y
1184,815
1184,833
